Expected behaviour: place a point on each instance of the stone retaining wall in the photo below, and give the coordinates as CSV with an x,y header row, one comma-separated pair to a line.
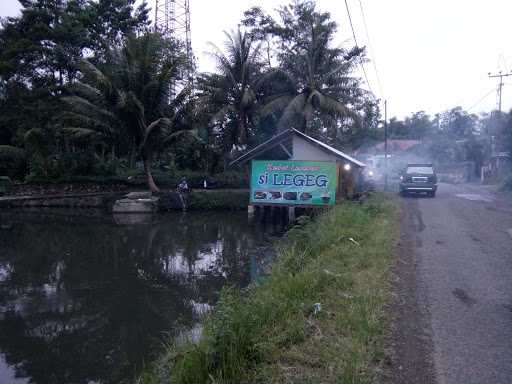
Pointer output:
x,y
167,201
92,200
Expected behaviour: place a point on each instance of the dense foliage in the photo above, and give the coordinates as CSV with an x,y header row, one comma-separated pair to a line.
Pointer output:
x,y
85,90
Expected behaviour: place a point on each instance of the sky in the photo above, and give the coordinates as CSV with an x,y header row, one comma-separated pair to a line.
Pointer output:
x,y
430,55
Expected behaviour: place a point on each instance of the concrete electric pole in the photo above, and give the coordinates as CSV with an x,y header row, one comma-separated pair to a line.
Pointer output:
x,y
385,145
500,85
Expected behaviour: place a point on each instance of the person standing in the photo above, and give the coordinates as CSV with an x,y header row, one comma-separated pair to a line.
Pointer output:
x,y
183,186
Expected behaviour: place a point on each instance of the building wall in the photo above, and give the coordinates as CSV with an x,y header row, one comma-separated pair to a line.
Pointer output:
x,y
303,150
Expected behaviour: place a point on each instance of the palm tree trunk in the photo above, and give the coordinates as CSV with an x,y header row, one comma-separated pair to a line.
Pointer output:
x,y
147,170
268,54
133,153
307,127
242,130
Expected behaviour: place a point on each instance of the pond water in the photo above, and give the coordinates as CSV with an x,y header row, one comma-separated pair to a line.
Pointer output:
x,y
91,298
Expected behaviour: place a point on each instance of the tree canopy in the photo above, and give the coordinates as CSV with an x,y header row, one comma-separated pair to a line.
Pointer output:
x,y
86,82
85,89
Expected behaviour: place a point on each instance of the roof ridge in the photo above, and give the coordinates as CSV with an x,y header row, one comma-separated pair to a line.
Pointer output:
x,y
292,131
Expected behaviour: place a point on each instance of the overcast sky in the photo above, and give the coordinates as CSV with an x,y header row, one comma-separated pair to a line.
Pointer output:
x,y
430,55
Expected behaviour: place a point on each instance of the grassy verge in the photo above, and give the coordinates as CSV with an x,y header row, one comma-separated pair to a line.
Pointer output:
x,y
318,317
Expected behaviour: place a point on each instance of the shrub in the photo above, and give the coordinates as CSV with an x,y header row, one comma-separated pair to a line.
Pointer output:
x,y
507,183
62,166
211,200
195,179
12,161
5,185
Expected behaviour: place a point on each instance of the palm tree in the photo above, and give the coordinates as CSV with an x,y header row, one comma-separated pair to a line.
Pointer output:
x,y
312,79
230,95
127,101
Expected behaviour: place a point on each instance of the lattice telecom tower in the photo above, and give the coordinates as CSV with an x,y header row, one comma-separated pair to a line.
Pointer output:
x,y
172,18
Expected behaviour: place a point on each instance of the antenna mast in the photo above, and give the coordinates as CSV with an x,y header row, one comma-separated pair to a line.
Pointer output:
x,y
172,18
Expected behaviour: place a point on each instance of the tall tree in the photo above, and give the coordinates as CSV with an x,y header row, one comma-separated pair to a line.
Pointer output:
x,y
231,94
458,123
39,55
111,21
317,88
128,96
260,27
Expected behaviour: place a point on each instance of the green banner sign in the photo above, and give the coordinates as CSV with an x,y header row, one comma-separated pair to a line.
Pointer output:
x,y
293,182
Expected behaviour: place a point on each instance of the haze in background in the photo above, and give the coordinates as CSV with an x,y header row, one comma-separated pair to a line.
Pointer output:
x,y
431,55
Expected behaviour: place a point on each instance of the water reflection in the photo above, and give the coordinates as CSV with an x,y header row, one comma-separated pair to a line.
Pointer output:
x,y
89,299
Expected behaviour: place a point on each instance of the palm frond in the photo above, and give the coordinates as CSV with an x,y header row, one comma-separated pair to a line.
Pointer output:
x,y
79,133
185,132
95,75
154,126
278,74
276,105
334,107
83,106
222,112
81,120
85,90
294,108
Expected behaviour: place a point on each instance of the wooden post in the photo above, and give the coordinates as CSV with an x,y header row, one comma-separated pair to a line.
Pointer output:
x,y
274,214
264,216
350,185
291,214
250,213
339,192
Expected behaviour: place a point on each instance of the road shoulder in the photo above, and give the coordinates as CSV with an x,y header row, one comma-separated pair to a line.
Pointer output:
x,y
409,339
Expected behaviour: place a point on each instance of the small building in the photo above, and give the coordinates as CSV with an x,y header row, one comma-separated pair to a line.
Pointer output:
x,y
499,165
307,172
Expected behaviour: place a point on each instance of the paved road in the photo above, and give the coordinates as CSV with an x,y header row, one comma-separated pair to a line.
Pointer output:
x,y
460,248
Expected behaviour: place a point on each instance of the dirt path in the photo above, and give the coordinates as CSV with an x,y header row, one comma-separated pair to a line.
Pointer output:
x,y
453,285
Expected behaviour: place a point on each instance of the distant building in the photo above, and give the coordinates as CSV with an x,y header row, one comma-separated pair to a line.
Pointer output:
x,y
499,164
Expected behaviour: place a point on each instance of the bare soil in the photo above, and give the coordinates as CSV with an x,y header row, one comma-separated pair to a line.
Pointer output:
x,y
409,340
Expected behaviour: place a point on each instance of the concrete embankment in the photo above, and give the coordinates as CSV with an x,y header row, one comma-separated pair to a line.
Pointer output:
x,y
81,200
167,201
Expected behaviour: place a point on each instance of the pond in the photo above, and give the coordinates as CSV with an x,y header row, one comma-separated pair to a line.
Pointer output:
x,y
92,298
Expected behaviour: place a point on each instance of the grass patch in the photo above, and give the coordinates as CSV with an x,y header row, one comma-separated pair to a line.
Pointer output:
x,y
274,332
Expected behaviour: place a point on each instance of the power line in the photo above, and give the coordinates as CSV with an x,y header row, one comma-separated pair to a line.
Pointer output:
x,y
480,100
372,52
504,61
357,46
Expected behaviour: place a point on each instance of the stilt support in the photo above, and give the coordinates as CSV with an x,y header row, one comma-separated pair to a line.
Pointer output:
x,y
291,214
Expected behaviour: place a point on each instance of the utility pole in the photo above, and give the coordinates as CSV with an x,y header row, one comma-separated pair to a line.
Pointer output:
x,y
497,117
385,145
500,85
